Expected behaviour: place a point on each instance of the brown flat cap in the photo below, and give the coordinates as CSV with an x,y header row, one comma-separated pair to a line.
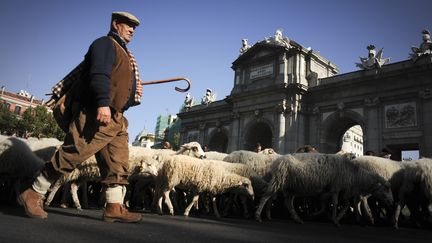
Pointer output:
x,y
125,16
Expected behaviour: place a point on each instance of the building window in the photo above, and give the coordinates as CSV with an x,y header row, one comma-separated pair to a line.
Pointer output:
x,y
17,110
8,105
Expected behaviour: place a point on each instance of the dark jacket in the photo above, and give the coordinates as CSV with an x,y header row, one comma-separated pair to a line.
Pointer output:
x,y
111,81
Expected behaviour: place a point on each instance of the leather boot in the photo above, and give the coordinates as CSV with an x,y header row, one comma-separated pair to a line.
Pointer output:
x,y
116,212
33,204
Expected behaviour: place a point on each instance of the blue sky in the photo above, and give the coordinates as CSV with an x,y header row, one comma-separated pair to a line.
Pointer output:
x,y
43,40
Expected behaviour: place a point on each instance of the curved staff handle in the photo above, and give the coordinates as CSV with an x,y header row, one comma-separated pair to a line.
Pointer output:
x,y
171,80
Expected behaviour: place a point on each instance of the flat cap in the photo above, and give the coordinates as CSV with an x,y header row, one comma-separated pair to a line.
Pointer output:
x,y
125,16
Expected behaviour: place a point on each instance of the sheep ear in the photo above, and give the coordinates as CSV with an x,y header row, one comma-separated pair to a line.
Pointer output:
x,y
244,183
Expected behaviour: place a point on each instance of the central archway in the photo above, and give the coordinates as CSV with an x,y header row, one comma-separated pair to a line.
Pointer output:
x,y
259,132
218,142
334,128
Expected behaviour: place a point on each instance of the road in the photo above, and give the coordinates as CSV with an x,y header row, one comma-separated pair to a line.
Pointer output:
x,y
70,225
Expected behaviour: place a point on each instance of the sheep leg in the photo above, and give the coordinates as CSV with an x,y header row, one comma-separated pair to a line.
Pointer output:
x,y
84,194
65,195
159,202
228,204
397,212
53,190
215,209
343,211
269,206
366,209
243,200
74,192
168,202
189,207
289,203
263,201
334,210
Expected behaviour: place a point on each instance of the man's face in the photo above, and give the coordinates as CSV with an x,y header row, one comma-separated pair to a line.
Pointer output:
x,y
125,30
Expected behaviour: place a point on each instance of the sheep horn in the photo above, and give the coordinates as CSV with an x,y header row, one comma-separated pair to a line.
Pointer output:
x,y
171,80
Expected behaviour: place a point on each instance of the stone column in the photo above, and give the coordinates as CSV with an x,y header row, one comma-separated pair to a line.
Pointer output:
x,y
373,134
426,143
234,132
202,134
279,141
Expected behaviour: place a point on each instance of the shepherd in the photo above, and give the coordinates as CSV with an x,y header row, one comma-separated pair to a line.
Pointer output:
x,y
109,84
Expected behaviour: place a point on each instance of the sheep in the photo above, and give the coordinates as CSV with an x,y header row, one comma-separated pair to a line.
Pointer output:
x,y
17,159
197,176
267,151
89,171
259,162
215,155
44,148
382,166
18,163
259,185
311,174
413,180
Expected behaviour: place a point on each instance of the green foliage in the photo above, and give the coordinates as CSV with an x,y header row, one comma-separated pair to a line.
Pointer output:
x,y
38,122
8,121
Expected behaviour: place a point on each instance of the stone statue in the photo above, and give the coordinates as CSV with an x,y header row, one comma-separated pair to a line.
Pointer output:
x,y
188,102
245,46
373,60
278,39
425,47
208,98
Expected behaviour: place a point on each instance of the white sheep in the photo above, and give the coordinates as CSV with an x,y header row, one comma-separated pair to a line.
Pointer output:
x,y
382,166
17,159
413,181
259,162
258,183
196,176
89,171
44,148
309,174
18,163
214,155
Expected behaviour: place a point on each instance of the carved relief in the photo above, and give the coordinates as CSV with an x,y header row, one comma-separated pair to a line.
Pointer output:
x,y
371,101
400,115
425,94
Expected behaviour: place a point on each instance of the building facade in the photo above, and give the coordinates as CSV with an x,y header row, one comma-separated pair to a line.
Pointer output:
x,y
285,96
19,102
162,123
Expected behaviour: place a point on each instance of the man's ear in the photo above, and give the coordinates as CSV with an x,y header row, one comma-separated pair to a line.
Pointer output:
x,y
114,24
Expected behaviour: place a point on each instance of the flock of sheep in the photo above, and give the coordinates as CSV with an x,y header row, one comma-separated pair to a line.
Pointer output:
x,y
307,184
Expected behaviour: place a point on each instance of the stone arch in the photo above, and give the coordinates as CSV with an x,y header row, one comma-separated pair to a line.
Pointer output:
x,y
258,132
218,140
335,126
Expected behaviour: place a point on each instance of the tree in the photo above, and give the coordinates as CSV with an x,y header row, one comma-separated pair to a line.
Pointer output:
x,y
8,121
38,122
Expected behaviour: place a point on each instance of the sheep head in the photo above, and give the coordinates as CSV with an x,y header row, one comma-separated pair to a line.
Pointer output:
x,y
148,167
244,188
192,149
382,190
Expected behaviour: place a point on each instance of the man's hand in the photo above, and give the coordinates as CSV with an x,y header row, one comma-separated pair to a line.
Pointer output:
x,y
103,114
139,88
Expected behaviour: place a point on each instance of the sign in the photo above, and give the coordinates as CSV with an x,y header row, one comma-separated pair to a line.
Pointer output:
x,y
261,71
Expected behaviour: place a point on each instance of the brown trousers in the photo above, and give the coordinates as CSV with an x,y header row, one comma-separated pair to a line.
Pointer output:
x,y
87,137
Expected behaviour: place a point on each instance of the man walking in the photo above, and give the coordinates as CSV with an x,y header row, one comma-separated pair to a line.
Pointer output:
x,y
109,85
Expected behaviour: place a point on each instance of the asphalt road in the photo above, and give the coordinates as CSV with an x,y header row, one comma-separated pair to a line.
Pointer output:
x,y
70,225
